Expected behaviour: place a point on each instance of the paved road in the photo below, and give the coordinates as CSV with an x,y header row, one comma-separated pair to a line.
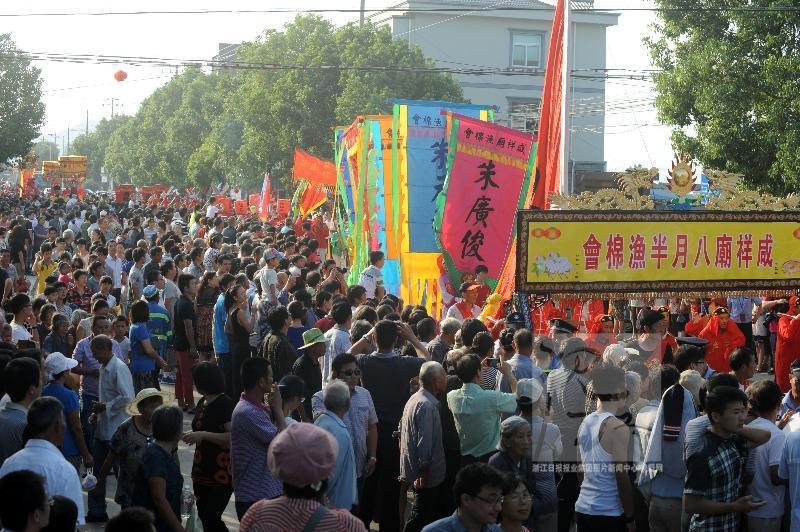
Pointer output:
x,y
186,457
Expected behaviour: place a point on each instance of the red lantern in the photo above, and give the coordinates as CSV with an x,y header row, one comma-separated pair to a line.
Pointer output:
x,y
120,75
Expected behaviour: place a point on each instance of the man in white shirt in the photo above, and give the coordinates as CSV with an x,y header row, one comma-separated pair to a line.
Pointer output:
x,y
114,264
763,464
371,277
116,391
466,308
337,337
211,209
46,427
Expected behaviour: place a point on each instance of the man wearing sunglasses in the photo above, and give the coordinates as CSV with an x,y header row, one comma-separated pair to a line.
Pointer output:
x,y
361,419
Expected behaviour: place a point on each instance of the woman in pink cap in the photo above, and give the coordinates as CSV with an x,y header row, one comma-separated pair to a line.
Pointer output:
x,y
302,456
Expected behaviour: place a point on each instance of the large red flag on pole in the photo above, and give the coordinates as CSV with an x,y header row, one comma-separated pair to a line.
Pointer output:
x,y
548,151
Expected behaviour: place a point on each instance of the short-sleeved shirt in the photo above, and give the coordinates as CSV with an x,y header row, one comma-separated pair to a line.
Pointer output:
x,y
128,443
358,418
311,373
789,469
761,459
135,277
566,397
140,361
71,403
184,310
715,473
210,460
387,378
156,462
477,415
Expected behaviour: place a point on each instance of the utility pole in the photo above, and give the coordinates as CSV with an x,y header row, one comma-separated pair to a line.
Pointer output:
x,y
361,14
87,121
55,141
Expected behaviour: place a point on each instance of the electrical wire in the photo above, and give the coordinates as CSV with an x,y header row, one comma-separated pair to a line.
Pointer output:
x,y
292,10
244,65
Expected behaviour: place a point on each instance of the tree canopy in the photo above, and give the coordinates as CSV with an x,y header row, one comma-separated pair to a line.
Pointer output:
x,y
235,124
21,106
94,146
46,150
729,84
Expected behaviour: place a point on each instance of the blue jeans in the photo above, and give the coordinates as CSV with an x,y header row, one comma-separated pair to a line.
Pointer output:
x,y
87,403
97,505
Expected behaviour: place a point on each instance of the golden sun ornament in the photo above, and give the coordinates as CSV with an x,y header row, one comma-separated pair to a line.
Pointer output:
x,y
681,175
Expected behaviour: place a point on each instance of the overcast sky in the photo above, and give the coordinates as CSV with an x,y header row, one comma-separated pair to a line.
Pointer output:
x,y
632,133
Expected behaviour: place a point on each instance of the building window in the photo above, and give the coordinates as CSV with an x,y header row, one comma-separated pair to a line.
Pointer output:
x,y
526,50
523,114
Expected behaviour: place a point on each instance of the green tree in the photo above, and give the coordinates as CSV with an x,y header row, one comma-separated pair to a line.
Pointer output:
x,y
95,144
281,109
233,125
21,107
171,124
729,85
46,150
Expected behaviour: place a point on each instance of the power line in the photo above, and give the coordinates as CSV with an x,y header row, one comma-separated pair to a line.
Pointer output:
x,y
244,65
394,9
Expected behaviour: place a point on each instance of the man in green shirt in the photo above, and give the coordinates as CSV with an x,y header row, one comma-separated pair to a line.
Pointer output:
x,y
477,411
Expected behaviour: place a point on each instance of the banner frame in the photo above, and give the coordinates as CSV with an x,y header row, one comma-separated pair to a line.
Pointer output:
x,y
608,288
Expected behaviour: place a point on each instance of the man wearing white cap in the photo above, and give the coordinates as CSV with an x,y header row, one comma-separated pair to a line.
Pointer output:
x,y
74,448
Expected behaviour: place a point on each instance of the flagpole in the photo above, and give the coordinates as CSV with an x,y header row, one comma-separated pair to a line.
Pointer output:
x,y
564,180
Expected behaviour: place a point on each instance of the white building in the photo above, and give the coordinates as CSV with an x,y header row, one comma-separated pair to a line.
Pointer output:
x,y
514,34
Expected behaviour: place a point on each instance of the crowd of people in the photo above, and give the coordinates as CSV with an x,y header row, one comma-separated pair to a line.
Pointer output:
x,y
331,405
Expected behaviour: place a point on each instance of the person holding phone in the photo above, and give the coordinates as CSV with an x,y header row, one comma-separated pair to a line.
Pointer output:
x,y
711,495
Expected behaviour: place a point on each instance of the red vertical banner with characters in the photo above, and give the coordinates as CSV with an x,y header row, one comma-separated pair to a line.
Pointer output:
x,y
488,171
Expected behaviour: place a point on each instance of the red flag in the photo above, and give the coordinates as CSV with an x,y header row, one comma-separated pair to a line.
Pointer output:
x,y
548,152
312,169
266,198
313,196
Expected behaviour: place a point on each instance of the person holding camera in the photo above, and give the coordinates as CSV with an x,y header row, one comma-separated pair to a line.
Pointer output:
x,y
477,411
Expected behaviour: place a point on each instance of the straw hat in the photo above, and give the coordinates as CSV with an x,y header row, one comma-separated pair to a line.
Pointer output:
x,y
132,408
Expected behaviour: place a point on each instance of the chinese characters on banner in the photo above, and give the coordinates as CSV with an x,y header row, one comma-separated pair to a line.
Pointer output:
x,y
427,151
609,252
482,190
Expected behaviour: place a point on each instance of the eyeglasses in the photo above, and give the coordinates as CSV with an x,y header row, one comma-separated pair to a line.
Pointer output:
x,y
494,502
520,497
351,373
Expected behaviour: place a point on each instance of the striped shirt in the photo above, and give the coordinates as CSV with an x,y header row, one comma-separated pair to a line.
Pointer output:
x,y
291,515
357,420
160,328
252,430
566,398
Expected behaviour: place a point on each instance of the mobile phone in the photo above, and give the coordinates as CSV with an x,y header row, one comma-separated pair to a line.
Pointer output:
x,y
494,362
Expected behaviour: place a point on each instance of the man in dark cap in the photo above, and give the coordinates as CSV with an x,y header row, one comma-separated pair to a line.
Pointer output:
x,y
560,331
651,326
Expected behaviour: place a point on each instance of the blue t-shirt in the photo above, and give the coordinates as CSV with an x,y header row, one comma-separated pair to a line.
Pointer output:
x,y
221,344
140,361
295,335
71,403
